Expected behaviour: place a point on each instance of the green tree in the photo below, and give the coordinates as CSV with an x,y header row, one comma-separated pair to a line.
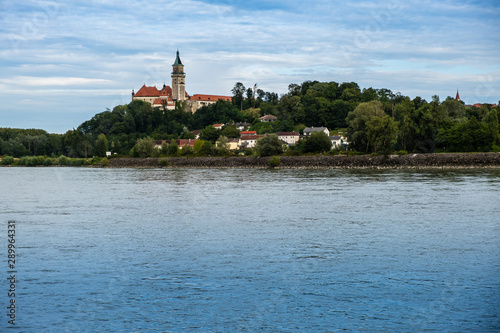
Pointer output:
x,y
173,148
209,133
101,145
269,145
230,131
381,133
238,92
356,121
318,142
144,148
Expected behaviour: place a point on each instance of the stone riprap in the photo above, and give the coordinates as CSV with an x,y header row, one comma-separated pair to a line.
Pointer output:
x,y
410,161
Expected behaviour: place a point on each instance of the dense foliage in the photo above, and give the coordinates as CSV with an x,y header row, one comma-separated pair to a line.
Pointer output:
x,y
373,120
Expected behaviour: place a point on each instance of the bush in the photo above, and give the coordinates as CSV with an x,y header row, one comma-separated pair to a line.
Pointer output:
x,y
187,151
7,160
33,161
105,162
23,160
47,161
62,160
28,161
164,162
274,161
76,161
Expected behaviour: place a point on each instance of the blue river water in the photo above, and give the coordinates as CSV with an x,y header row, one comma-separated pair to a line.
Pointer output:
x,y
196,250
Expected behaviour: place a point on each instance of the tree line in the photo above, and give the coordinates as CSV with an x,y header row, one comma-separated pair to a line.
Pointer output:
x,y
373,120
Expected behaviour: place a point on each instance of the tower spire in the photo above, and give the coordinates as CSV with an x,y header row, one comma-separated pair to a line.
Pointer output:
x,y
178,80
177,60
457,97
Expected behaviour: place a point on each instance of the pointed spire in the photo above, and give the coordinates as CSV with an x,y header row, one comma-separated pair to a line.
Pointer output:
x,y
458,96
177,60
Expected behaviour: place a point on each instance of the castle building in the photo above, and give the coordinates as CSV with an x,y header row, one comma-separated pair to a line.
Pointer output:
x,y
168,96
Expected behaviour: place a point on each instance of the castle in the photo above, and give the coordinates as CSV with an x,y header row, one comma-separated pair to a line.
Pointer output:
x,y
168,96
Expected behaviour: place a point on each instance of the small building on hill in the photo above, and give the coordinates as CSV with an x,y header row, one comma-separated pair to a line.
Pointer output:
x,y
309,130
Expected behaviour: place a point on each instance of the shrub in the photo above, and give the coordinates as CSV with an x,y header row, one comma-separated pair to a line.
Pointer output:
x,y
34,161
274,161
47,161
7,160
187,151
62,160
105,162
40,160
164,162
76,161
23,160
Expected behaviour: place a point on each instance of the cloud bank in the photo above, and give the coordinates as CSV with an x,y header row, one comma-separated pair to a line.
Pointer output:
x,y
61,63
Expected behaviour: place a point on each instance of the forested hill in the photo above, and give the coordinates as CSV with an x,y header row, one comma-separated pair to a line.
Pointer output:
x,y
373,120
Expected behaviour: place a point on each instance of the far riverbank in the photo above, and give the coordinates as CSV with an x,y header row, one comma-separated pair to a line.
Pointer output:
x,y
410,161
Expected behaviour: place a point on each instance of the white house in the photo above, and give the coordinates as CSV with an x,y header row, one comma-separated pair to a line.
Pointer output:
x,y
249,141
290,138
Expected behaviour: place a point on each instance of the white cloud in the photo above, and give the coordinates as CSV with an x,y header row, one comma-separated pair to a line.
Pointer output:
x,y
97,51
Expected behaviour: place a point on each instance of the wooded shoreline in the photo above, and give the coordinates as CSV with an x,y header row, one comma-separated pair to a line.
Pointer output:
x,y
410,161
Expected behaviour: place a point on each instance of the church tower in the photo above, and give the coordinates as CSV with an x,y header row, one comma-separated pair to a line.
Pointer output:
x,y
178,80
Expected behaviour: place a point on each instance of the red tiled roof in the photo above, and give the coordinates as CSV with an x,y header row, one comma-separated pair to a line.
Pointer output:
x,y
215,98
251,137
186,142
168,100
248,137
268,116
147,92
166,91
218,125
248,133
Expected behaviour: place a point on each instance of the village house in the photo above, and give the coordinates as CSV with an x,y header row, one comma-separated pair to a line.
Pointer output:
x,y
168,96
309,130
290,138
248,133
232,143
249,141
218,126
268,118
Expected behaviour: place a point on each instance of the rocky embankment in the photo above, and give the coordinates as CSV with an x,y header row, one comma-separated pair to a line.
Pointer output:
x,y
410,161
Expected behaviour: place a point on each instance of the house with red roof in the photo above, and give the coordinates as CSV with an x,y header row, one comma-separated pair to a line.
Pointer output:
x,y
268,118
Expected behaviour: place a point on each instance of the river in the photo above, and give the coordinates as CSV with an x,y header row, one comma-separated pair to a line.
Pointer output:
x,y
246,250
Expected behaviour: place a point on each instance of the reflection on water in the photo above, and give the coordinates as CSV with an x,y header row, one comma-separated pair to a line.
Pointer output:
x,y
255,250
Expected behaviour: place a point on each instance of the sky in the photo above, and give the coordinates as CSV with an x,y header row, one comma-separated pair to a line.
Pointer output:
x,y
62,62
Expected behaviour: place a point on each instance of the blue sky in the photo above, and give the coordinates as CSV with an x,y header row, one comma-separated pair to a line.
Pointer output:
x,y
61,62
